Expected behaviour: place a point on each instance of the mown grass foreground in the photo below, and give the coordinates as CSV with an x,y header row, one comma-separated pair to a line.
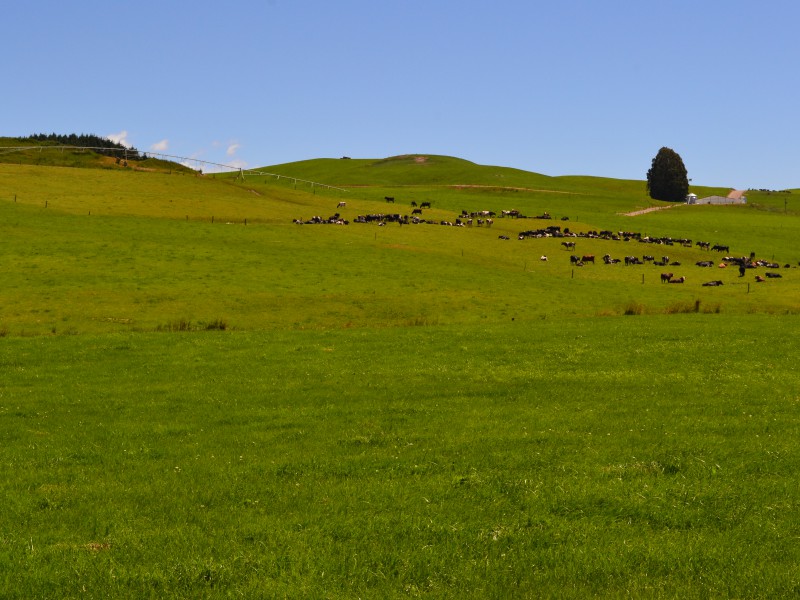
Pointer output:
x,y
635,457
199,398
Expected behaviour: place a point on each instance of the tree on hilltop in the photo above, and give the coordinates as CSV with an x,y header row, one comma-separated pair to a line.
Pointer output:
x,y
667,178
100,144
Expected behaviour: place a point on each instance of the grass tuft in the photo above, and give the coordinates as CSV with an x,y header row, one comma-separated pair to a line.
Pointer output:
x,y
634,308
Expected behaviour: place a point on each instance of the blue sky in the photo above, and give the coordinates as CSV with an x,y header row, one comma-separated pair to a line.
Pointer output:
x,y
568,87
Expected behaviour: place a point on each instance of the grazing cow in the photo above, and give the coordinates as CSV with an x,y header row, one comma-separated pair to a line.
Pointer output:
x,y
647,258
568,245
588,258
341,205
666,277
413,203
720,248
704,245
574,259
389,199
680,279
425,205
416,211
716,283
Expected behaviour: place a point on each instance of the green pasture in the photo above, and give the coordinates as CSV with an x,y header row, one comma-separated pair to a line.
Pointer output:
x,y
618,457
200,398
97,250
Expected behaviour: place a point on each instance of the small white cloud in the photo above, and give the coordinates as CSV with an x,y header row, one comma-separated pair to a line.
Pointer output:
x,y
191,165
232,148
120,138
161,146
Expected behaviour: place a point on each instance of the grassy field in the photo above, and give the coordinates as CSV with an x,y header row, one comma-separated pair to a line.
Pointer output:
x,y
200,398
611,457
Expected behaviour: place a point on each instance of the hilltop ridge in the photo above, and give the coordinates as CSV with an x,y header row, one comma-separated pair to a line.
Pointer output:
x,y
408,169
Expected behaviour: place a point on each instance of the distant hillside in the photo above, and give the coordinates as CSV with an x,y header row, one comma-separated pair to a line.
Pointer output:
x,y
59,151
434,170
409,169
99,144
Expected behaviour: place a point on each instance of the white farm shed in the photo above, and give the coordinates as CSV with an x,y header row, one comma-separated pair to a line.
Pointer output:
x,y
733,197
720,200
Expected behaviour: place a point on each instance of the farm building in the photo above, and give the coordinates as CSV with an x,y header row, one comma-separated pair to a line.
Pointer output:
x,y
735,197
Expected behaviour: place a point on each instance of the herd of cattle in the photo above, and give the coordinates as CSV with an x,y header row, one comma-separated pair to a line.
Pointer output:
x,y
486,218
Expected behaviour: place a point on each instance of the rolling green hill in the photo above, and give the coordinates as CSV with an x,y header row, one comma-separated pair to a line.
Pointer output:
x,y
433,170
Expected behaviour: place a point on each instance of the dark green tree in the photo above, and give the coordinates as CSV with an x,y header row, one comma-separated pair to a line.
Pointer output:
x,y
667,178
